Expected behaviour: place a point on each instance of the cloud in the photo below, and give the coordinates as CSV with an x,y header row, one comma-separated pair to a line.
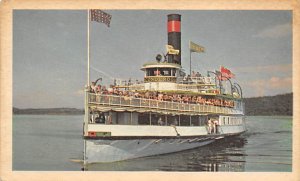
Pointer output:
x,y
275,31
274,84
281,68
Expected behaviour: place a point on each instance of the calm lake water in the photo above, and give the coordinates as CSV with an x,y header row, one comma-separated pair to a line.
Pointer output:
x,y
54,143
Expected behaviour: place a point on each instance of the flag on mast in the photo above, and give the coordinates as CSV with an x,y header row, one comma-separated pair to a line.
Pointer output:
x,y
100,16
226,72
171,50
196,48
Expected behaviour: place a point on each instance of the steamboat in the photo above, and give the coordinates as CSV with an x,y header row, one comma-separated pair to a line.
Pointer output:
x,y
167,112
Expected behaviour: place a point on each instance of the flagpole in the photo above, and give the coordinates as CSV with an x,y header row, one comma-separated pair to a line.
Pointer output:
x,y
86,117
190,59
88,48
190,63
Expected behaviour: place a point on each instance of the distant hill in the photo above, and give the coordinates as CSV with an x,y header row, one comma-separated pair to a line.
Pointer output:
x,y
267,105
270,105
56,111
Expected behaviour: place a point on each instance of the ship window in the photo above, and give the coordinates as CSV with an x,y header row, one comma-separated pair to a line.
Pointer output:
x,y
144,119
173,72
184,120
202,120
195,121
172,120
165,72
151,72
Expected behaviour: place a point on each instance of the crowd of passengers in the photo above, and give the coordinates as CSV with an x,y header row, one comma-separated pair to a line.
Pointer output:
x,y
154,95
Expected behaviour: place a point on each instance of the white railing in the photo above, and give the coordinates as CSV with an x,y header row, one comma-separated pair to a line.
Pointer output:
x,y
123,101
197,80
140,86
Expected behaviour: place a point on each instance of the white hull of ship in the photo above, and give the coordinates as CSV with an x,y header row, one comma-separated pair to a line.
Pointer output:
x,y
123,148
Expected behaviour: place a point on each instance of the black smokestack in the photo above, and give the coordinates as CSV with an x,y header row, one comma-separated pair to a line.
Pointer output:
x,y
174,36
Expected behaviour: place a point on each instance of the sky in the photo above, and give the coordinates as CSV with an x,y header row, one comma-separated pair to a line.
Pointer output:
x,y
50,50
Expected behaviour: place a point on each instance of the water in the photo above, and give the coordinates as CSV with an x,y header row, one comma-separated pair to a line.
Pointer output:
x,y
54,143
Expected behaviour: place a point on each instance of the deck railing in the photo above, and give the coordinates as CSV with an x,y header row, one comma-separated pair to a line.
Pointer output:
x,y
123,101
196,80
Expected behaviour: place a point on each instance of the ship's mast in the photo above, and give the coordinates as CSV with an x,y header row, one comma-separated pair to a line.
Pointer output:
x,y
88,48
86,91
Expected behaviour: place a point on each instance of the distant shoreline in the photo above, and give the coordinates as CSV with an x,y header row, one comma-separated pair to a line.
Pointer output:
x,y
49,111
279,105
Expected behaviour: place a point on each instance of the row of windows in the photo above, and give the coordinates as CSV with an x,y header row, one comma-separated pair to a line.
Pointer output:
x,y
228,120
156,119
161,72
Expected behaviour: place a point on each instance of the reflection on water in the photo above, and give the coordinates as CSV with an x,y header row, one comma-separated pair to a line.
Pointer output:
x,y
223,155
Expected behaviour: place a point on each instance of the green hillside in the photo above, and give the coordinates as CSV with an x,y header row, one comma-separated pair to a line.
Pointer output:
x,y
270,105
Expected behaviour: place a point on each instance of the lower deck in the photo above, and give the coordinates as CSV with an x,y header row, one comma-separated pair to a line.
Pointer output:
x,y
101,131
113,136
151,118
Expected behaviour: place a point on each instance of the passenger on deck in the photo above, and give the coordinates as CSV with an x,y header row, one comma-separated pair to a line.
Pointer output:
x,y
147,95
102,118
210,126
175,122
98,89
129,81
109,119
104,90
156,72
99,119
193,74
93,87
160,97
160,122
110,90
216,126
165,97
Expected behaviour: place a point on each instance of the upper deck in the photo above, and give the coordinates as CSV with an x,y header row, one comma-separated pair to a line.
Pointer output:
x,y
169,77
108,102
168,90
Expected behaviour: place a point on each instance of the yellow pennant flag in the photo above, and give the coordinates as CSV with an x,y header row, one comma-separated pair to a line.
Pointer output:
x,y
171,50
196,48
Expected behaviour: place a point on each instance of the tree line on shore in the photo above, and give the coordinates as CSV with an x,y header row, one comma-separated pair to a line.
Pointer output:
x,y
270,105
49,111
